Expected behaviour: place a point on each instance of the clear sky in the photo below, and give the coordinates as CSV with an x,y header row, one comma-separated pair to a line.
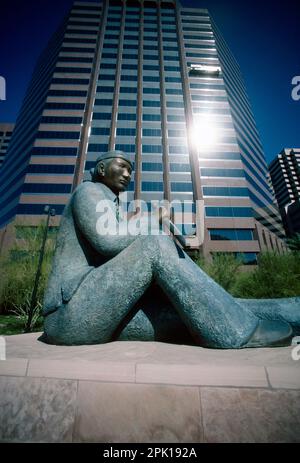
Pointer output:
x,y
263,36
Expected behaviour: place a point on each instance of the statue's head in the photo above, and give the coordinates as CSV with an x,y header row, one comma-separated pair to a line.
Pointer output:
x,y
113,169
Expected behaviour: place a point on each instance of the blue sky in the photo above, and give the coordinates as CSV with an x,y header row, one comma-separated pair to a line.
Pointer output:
x,y
261,35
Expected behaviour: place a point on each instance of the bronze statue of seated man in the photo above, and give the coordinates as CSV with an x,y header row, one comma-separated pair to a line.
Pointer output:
x,y
109,286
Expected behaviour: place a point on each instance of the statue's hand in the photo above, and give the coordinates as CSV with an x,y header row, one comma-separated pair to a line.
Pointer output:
x,y
162,214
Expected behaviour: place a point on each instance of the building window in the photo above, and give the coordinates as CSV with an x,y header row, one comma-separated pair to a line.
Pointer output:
x,y
179,167
151,79
151,91
225,191
176,133
70,70
105,89
74,59
210,172
151,117
152,186
109,55
129,66
128,89
151,103
131,37
38,209
174,91
125,147
100,131
128,132
151,47
77,49
61,120
127,117
50,169
228,211
227,234
108,66
152,167
46,188
53,151
152,149
97,147
151,133
69,81
129,56
129,78
150,67
127,102
175,104
175,118
178,149
172,68
107,77
101,116
183,187
57,135
79,40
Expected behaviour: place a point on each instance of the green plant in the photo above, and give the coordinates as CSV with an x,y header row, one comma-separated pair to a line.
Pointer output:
x,y
10,324
276,275
22,312
223,268
17,274
294,242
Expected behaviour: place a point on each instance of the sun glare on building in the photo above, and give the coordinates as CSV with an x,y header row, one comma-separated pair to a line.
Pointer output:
x,y
204,133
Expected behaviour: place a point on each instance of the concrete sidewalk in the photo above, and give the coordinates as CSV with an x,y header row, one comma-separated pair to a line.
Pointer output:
x,y
147,392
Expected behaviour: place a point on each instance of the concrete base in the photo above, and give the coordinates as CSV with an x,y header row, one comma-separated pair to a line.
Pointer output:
x,y
147,392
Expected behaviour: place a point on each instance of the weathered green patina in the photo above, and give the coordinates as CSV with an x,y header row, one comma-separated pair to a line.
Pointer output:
x,y
108,286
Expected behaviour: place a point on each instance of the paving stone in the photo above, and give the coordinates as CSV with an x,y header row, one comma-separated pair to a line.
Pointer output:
x,y
247,415
13,367
137,413
36,410
83,369
284,377
208,375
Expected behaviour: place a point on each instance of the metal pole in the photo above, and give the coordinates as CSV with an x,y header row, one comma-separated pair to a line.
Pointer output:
x,y
38,272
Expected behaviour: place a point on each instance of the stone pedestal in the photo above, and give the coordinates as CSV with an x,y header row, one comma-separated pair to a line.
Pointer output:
x,y
147,392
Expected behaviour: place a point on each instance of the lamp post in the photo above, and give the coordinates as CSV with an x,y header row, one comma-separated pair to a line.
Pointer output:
x,y
49,212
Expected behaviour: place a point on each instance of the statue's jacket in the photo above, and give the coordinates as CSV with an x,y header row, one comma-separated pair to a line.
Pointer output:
x,y
80,247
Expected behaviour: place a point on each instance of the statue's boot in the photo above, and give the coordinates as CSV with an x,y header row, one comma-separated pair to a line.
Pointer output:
x,y
271,333
281,309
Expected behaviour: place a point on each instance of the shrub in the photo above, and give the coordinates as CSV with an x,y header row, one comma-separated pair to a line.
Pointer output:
x,y
294,242
277,275
223,269
17,275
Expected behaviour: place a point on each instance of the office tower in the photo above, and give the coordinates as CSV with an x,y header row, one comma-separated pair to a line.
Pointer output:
x,y
285,179
6,130
156,80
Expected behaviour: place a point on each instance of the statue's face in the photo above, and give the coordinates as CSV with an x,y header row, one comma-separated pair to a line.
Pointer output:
x,y
116,174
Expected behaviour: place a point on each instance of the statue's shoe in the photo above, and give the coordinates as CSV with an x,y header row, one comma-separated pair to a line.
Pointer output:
x,y
284,309
271,333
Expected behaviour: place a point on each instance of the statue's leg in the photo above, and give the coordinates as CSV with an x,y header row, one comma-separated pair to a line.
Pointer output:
x,y
108,293
212,315
104,298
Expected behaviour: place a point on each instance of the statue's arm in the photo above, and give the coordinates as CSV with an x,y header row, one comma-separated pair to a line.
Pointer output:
x,y
87,215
